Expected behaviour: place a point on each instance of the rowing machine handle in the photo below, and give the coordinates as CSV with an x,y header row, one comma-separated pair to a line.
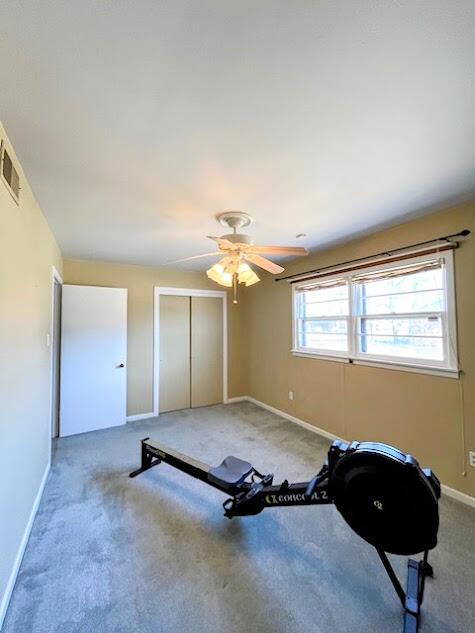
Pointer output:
x,y
248,502
313,483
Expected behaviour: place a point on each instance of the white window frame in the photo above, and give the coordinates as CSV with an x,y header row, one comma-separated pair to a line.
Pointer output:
x,y
447,367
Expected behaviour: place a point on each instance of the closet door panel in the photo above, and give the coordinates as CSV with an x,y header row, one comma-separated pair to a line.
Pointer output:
x,y
174,333
206,351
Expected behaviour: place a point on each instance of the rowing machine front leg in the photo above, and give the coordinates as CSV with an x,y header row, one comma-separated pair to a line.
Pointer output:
x,y
148,460
417,571
412,598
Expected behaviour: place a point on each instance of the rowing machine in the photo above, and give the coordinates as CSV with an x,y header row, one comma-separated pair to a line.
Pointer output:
x,y
383,494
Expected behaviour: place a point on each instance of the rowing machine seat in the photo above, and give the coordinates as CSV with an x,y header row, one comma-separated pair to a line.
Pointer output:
x,y
231,472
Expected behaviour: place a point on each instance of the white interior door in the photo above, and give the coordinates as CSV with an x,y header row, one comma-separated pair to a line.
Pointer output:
x,y
93,358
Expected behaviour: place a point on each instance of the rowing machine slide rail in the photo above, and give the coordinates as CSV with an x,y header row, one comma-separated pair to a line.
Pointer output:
x,y
382,493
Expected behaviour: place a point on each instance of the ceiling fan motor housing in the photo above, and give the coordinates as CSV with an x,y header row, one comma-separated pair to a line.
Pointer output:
x,y
234,219
238,238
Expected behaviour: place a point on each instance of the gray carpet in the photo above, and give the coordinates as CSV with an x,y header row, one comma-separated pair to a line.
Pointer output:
x,y
110,554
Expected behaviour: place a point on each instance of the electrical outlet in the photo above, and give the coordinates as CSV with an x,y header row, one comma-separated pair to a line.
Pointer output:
x,y
471,458
291,395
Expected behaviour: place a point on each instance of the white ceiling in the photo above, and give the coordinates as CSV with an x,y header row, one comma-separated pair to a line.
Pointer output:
x,y
137,121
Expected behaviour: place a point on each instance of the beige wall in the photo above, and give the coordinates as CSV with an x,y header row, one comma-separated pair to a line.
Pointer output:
x,y
419,413
423,414
27,252
140,281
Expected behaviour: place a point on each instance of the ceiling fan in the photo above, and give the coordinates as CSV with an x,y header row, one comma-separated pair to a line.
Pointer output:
x,y
239,252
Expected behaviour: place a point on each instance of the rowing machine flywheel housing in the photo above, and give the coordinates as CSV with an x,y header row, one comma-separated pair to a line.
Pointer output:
x,y
385,496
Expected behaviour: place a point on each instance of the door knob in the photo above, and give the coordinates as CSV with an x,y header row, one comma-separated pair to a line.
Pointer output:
x,y
121,365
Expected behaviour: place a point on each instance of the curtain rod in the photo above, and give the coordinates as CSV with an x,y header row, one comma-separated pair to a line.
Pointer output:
x,y
303,275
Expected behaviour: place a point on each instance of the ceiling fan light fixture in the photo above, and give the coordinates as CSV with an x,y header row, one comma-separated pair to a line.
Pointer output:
x,y
239,248
217,273
246,275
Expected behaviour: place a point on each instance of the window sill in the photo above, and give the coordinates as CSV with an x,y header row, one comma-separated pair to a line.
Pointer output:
x,y
396,366
332,357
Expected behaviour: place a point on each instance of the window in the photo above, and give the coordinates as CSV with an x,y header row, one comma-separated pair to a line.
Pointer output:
x,y
323,317
399,313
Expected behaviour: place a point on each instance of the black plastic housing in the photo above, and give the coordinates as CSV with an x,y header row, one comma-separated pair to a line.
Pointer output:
x,y
385,496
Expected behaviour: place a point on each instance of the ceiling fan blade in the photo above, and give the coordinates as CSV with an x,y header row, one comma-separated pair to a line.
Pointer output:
x,y
264,263
222,243
279,250
187,259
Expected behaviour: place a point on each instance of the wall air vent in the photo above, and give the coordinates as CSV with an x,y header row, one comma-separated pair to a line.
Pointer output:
x,y
9,173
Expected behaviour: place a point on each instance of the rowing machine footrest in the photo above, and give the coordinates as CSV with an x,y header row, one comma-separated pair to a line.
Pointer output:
x,y
231,472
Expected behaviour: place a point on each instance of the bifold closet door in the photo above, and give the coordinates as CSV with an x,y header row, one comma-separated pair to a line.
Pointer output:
x,y
174,333
206,351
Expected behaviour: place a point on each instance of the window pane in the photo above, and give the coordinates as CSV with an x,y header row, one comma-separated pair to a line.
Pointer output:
x,y
326,294
328,308
403,346
325,342
428,326
323,335
425,280
325,327
322,302
429,301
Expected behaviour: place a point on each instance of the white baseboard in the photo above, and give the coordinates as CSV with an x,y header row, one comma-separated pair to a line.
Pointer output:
x,y
21,550
153,414
141,416
236,399
460,496
446,490
292,418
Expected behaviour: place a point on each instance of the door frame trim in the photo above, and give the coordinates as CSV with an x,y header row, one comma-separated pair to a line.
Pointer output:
x,y
184,292
55,277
